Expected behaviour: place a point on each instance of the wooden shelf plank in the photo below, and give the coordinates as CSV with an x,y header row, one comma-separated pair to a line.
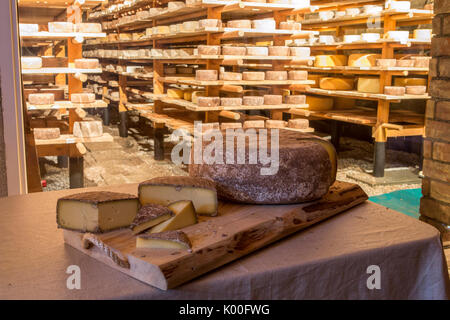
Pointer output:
x,y
44,35
357,45
67,105
71,139
194,82
364,70
60,71
366,96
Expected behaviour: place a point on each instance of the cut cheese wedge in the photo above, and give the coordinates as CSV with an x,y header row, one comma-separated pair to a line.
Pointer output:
x,y
166,190
164,240
185,216
149,216
336,83
96,212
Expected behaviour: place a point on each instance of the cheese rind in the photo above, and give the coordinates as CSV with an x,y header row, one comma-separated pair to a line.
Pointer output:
x,y
87,63
297,75
149,216
241,24
298,123
28,28
175,93
368,85
234,51
295,99
231,102
208,50
273,99
41,98
88,129
329,83
165,240
96,212
290,25
330,61
185,216
255,124
416,90
264,24
208,102
60,27
278,51
275,124
253,75
319,103
405,63
88,27
210,23
257,51
82,97
300,51
230,76
46,133
206,75
386,63
394,91
276,75
253,100
166,190
230,125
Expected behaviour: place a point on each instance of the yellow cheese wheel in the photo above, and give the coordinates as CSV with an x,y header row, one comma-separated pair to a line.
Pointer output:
x,y
319,103
344,103
329,83
175,93
323,61
403,82
369,84
187,94
363,59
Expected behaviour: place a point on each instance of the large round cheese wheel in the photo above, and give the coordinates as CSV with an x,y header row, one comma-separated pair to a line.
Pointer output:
x,y
276,75
369,84
278,51
290,25
208,50
253,100
253,124
253,75
230,76
265,24
244,24
234,51
329,83
206,75
330,61
273,99
306,169
257,51
210,23
230,102
363,59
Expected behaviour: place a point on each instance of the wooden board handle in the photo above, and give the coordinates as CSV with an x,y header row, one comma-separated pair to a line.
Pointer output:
x,y
89,240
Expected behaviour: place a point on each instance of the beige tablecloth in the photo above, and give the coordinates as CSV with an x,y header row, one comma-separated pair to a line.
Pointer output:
x,y
327,261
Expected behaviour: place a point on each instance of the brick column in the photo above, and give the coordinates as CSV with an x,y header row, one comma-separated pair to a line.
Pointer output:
x,y
435,203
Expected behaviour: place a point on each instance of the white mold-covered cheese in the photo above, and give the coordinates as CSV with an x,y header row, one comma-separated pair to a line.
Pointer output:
x,y
210,23
278,51
394,91
46,133
41,98
253,75
28,28
82,97
263,25
230,76
253,101
88,129
231,102
208,50
299,51
273,99
31,62
295,99
298,123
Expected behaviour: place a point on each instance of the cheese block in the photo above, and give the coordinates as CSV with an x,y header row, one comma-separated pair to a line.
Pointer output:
x,y
230,76
87,64
298,123
297,75
231,102
273,99
405,63
88,129
253,101
330,83
394,91
41,98
234,51
206,75
31,62
210,23
276,75
28,28
386,63
196,94
57,92
319,103
257,51
242,24
82,97
305,170
369,84
253,75
175,5
230,125
264,24
403,82
290,25
341,103
330,61
208,102
421,62
208,50
423,34
275,124
60,27
175,93
295,99
255,124
190,25
398,5
185,216
46,133
363,59
416,90
164,240
149,216
300,51
167,190
96,212
278,51
54,62
88,27
349,38
370,37
402,36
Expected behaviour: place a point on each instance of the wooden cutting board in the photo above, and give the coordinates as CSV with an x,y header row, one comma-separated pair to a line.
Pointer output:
x,y
237,231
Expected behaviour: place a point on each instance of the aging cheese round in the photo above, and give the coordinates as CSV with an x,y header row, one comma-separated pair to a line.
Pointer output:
x,y
206,75
189,26
276,75
230,125
323,61
421,62
234,51
208,50
88,27
394,91
386,63
252,101
210,23
305,170
275,124
273,99
31,62
253,75
319,103
231,102
398,35
369,84
297,75
41,98
370,37
60,27
87,63
28,28
363,59
266,24
278,51
230,76
46,133
349,38
405,63
416,90
196,94
242,24
329,83
295,99
298,123
253,124
290,25
88,129
300,51
82,97
175,93
257,51
423,34
403,82
209,102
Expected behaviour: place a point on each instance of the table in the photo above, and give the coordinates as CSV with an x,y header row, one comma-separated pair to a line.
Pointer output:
x,y
326,261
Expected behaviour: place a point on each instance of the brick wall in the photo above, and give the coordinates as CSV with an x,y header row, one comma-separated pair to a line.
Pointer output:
x,y
435,203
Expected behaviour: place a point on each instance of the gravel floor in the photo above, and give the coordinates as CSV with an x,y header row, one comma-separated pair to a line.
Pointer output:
x,y
130,160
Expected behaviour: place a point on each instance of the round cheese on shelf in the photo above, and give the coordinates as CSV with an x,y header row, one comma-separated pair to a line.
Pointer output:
x,y
60,27
28,28
300,51
234,51
175,93
295,99
88,27
253,101
405,63
349,38
276,75
263,25
82,97
187,94
253,124
230,125
401,36
231,102
370,37
278,51
273,99
257,51
363,60
421,62
423,34
46,133
369,84
208,102
208,50
399,5
196,94
297,75
210,23
319,103
206,75
326,15
88,129
31,62
330,83
403,82
275,124
352,12
87,64
241,24
290,25
416,90
323,61
306,168
298,123
253,75
41,98
190,26
326,39
386,63
394,91
230,76
372,10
